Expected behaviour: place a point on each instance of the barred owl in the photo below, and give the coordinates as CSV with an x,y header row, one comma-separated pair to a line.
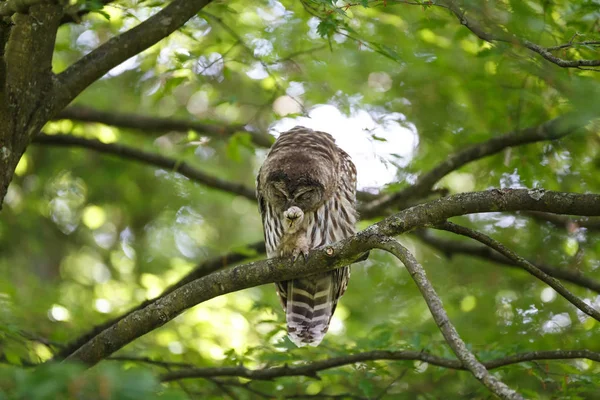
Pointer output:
x,y
306,192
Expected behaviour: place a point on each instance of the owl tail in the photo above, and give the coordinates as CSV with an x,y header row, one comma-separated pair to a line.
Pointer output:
x,y
310,305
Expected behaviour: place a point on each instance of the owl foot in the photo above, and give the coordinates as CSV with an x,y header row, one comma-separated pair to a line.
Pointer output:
x,y
300,250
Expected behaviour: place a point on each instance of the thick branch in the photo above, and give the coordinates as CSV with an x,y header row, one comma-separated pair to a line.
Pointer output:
x,y
475,27
336,255
443,322
148,158
551,130
452,247
203,269
157,124
5,26
120,48
28,58
523,263
311,369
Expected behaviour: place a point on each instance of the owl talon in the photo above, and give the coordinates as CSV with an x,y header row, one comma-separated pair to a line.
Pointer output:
x,y
305,255
297,251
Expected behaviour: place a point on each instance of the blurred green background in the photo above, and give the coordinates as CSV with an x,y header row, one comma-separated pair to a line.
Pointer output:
x,y
85,236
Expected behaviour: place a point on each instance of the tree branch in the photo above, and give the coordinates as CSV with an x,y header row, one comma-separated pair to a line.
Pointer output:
x,y
311,369
120,48
550,130
148,158
5,25
157,124
451,247
28,58
127,152
563,221
436,308
523,263
333,256
204,268
475,27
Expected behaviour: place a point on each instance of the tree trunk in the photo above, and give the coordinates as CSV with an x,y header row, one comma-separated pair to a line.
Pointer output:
x,y
26,82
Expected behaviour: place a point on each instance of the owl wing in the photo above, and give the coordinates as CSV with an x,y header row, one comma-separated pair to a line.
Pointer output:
x,y
341,276
271,237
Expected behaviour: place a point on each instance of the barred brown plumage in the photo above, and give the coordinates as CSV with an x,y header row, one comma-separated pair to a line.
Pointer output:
x,y
306,191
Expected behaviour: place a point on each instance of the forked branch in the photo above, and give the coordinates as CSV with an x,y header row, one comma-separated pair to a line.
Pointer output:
x,y
436,308
336,255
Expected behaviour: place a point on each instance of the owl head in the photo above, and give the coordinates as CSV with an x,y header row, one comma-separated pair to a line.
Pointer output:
x,y
284,191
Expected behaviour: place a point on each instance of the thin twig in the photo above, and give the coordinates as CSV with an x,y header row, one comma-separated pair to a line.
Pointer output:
x,y
564,221
475,27
311,369
523,263
148,158
451,247
147,124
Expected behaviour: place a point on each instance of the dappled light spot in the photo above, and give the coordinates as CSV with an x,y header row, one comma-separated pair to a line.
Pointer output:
x,y
336,326
14,197
458,182
42,352
22,166
93,216
548,295
103,306
153,284
557,323
121,262
285,105
430,37
198,103
468,303
105,236
175,347
58,313
313,388
380,81
420,366
570,246
257,71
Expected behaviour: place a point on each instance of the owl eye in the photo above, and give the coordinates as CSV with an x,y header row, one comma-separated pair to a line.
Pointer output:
x,y
279,194
304,196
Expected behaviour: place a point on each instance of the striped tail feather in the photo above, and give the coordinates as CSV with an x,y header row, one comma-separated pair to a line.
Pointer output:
x,y
310,305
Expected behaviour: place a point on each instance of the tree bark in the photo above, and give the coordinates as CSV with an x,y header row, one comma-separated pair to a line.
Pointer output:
x,y
26,81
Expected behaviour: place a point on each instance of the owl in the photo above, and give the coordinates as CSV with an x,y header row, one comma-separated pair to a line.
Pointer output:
x,y
306,191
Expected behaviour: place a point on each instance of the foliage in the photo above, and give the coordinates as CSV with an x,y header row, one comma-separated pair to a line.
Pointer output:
x,y
84,236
